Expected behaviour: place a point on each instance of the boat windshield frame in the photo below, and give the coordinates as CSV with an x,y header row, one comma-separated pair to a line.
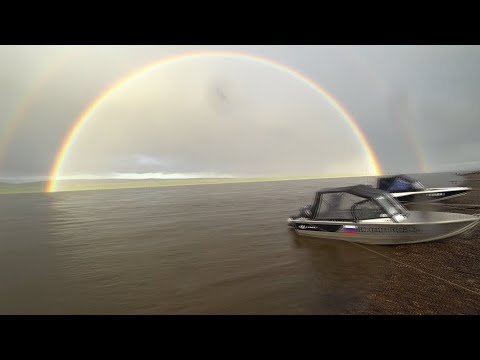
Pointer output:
x,y
389,206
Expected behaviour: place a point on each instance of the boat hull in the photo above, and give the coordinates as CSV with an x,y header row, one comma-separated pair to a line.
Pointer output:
x,y
430,195
421,227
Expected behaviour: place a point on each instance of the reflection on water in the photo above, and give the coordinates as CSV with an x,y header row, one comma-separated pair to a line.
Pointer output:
x,y
344,275
215,249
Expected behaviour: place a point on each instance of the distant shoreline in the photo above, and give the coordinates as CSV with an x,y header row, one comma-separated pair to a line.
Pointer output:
x,y
112,184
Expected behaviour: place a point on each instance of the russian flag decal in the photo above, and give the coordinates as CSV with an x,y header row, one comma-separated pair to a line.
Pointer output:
x,y
350,229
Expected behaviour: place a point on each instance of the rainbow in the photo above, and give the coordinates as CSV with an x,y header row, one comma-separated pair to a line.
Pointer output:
x,y
415,145
355,59
31,95
69,140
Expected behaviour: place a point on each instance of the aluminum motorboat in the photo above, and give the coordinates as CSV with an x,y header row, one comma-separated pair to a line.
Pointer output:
x,y
364,214
408,190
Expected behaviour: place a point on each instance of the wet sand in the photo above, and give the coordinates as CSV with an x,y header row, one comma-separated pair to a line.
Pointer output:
x,y
441,277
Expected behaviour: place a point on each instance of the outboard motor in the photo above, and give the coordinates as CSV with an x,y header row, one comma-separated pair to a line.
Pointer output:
x,y
305,212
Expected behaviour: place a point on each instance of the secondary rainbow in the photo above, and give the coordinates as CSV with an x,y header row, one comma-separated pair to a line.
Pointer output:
x,y
69,140
35,90
357,60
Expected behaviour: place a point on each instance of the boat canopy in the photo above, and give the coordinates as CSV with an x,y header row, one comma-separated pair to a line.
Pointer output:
x,y
399,183
359,202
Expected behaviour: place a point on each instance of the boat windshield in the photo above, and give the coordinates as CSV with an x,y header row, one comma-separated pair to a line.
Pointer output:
x,y
401,209
400,183
359,202
417,185
391,207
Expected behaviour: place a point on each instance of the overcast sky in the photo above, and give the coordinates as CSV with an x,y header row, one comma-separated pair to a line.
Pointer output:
x,y
417,105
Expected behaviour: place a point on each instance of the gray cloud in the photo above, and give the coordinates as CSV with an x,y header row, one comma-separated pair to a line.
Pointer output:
x,y
405,98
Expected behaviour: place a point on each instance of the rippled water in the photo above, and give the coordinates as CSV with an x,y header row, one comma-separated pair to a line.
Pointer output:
x,y
212,249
